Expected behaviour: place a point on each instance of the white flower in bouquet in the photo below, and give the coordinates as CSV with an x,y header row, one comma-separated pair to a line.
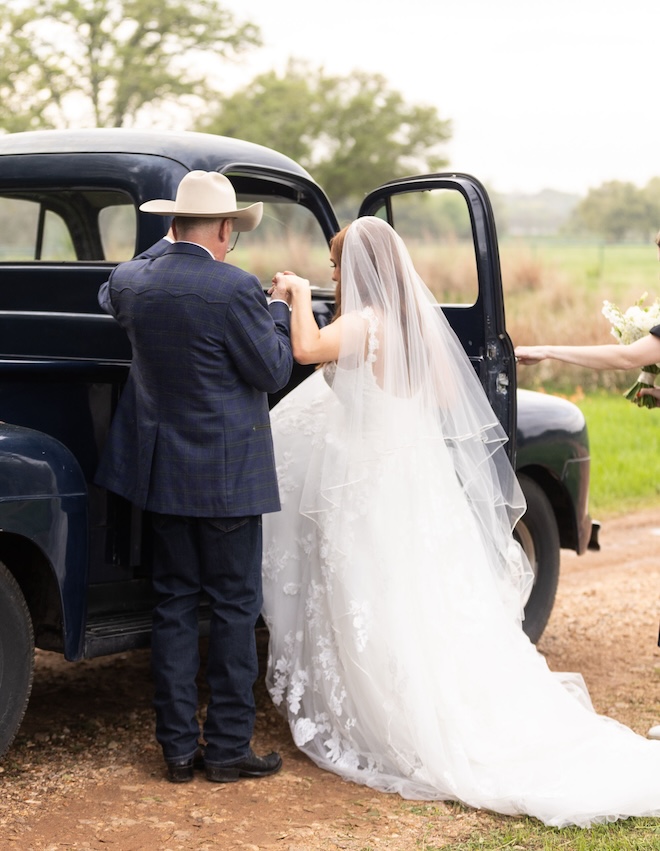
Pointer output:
x,y
632,325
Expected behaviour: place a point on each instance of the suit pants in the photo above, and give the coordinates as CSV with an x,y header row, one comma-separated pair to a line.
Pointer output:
x,y
222,558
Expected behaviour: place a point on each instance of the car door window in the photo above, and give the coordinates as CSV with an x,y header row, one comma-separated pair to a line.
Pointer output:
x,y
435,225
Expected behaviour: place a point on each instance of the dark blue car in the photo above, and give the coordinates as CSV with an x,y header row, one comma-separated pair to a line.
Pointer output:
x,y
75,559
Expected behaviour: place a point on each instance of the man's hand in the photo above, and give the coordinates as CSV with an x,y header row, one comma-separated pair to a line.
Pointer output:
x,y
287,284
280,288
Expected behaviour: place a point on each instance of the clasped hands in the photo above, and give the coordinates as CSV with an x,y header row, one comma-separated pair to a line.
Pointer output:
x,y
286,284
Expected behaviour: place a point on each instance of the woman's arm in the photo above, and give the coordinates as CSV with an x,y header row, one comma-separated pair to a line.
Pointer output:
x,y
310,343
641,353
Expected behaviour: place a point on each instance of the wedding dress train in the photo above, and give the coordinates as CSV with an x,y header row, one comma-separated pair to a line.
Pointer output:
x,y
393,652
394,590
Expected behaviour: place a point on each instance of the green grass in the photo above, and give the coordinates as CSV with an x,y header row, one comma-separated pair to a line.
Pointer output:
x,y
625,453
451,826
632,835
614,270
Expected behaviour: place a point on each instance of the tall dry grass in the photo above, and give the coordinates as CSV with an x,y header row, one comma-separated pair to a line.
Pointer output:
x,y
553,292
552,297
264,260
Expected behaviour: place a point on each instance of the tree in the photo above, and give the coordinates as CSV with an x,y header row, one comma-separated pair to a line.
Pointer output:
x,y
351,133
101,62
616,210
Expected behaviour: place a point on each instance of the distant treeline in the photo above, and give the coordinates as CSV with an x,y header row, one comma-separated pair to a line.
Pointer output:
x,y
615,212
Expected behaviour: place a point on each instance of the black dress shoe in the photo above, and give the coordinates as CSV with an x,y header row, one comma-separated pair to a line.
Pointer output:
x,y
251,766
181,770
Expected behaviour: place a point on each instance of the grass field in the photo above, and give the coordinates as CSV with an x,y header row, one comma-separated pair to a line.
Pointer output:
x,y
625,453
524,834
611,271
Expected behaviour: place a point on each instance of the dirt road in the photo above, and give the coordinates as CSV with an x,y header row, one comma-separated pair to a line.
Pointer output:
x,y
85,772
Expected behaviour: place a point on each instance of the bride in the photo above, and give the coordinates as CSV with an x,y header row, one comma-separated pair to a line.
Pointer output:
x,y
393,588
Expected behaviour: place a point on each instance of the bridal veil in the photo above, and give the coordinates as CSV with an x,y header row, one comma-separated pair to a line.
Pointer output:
x,y
399,336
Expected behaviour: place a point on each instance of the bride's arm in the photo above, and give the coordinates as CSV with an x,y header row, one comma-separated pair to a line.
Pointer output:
x,y
310,343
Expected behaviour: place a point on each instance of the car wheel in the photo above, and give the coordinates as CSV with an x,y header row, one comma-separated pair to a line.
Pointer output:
x,y
538,535
16,657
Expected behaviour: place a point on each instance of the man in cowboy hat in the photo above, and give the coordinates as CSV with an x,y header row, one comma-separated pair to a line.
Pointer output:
x,y
190,443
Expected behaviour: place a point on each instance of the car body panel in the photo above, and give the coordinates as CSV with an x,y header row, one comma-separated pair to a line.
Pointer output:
x,y
43,500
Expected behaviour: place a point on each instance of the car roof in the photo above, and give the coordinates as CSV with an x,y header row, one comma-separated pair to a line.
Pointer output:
x,y
193,150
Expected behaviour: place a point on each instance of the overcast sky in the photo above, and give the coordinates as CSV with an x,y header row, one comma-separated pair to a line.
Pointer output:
x,y
560,94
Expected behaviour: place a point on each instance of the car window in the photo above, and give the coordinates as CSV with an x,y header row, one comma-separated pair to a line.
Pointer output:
x,y
66,225
29,233
288,237
100,225
436,227
117,227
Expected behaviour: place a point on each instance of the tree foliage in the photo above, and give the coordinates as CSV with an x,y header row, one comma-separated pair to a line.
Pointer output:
x,y
617,210
100,62
351,133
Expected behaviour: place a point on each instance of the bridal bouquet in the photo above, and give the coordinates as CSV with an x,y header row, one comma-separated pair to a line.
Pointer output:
x,y
627,327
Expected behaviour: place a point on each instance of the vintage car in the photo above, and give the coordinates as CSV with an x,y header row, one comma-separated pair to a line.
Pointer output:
x,y
74,559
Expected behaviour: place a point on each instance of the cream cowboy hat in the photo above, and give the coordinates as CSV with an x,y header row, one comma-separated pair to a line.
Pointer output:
x,y
207,195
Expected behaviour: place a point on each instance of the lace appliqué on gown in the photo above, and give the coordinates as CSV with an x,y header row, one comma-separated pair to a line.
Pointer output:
x,y
303,562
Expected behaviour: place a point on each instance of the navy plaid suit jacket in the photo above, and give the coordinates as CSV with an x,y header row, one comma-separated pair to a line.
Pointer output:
x,y
191,434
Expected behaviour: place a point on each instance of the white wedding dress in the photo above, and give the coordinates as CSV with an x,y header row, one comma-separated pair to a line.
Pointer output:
x,y
396,650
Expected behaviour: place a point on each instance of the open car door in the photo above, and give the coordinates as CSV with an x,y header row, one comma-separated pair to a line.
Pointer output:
x,y
447,223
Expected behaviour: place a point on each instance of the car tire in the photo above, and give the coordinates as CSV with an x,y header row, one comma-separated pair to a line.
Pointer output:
x,y
16,657
538,535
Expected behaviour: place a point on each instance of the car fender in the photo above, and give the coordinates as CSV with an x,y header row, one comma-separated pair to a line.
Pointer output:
x,y
43,499
552,447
